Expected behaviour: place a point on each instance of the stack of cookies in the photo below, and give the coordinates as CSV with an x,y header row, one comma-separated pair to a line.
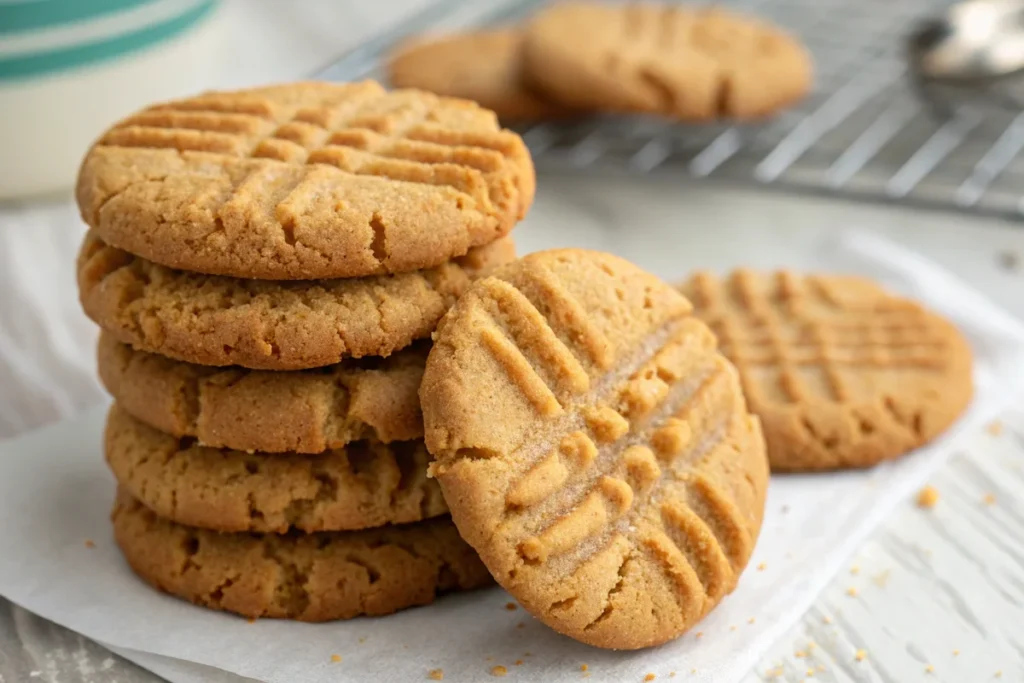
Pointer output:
x,y
267,267
690,64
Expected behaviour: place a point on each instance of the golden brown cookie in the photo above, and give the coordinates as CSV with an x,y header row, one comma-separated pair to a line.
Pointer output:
x,y
841,373
692,64
306,181
363,485
594,447
484,66
308,577
267,325
305,411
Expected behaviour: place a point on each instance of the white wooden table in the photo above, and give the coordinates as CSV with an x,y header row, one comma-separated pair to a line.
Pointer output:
x,y
938,594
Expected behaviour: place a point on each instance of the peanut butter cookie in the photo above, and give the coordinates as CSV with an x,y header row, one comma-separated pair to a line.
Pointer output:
x,y
308,577
306,181
484,66
363,485
692,64
268,325
841,373
594,447
304,411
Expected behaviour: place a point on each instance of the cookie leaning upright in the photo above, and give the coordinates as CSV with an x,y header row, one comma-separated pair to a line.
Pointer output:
x,y
306,181
841,373
692,64
594,447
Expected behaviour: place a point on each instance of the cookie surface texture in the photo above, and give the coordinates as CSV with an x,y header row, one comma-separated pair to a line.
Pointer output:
x,y
304,411
268,325
692,64
841,373
306,181
594,447
363,485
484,66
308,577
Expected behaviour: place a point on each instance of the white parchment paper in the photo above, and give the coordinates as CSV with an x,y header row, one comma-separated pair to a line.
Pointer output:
x,y
55,493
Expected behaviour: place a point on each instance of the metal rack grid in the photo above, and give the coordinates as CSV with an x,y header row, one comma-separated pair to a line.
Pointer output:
x,y
865,131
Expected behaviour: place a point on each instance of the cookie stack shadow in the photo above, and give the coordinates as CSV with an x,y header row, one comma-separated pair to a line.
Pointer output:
x,y
267,267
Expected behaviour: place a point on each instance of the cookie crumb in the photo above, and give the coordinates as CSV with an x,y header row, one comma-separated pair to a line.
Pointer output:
x,y
649,677
733,627
671,674
956,653
498,671
929,669
810,673
518,662
693,671
761,567
583,667
750,620
511,606
436,675
774,673
855,570
989,499
800,654
860,656
927,497
851,591
251,620
881,579
995,428
998,674
826,619
362,640
700,634
811,645
521,624
89,543
335,658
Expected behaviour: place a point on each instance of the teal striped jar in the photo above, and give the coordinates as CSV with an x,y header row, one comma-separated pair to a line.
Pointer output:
x,y
70,68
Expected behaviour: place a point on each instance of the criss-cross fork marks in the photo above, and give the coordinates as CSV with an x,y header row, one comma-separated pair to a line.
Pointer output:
x,y
364,130
794,337
620,458
710,44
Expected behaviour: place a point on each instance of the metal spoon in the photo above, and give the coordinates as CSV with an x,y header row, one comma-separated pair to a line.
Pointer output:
x,y
974,40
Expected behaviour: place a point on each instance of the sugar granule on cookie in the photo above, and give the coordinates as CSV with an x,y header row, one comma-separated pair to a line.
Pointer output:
x,y
587,437
842,373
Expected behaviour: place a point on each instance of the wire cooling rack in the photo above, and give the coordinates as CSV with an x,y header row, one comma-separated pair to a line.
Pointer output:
x,y
865,131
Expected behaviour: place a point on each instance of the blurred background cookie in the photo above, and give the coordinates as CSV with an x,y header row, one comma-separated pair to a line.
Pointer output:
x,y
485,66
692,64
841,373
